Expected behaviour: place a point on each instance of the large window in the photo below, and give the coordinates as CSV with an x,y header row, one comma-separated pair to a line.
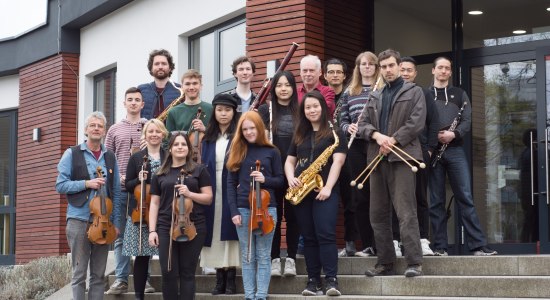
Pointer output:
x,y
213,51
8,141
104,94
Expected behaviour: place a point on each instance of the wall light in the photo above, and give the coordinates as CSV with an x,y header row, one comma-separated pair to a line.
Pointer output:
x,y
36,134
548,8
475,12
519,31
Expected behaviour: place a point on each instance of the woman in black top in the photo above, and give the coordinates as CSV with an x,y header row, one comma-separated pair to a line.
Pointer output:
x,y
281,122
197,187
317,213
154,133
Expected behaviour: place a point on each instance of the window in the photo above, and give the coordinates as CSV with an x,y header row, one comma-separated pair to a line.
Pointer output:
x,y
104,95
213,51
7,186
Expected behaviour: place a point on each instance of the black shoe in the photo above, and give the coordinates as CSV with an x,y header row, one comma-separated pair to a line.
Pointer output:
x,y
350,248
331,287
313,288
413,271
139,296
230,287
380,270
221,277
440,252
484,251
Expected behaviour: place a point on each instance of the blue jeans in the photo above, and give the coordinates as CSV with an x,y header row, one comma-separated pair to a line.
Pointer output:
x,y
257,272
122,263
455,165
317,223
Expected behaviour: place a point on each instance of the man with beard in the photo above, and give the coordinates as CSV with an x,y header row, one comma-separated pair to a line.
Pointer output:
x,y
393,117
158,95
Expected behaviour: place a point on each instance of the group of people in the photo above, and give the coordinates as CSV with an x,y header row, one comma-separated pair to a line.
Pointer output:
x,y
210,165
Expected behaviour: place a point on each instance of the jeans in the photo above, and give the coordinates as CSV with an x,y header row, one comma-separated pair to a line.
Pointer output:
x,y
82,253
455,165
122,263
257,272
317,221
392,183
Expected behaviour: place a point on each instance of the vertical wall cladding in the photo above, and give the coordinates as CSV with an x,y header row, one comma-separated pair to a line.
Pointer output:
x,y
272,26
347,30
48,100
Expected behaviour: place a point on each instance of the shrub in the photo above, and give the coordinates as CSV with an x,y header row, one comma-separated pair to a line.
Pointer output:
x,y
38,279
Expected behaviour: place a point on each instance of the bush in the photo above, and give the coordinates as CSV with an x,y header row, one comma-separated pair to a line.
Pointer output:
x,y
38,279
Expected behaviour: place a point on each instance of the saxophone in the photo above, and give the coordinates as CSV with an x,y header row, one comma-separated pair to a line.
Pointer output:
x,y
180,99
310,177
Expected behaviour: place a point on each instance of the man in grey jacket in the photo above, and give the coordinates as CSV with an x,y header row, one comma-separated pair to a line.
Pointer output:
x,y
394,117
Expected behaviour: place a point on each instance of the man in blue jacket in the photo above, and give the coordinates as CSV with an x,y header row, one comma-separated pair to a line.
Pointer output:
x,y
158,95
77,167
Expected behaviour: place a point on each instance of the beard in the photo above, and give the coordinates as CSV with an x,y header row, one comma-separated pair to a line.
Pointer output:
x,y
161,75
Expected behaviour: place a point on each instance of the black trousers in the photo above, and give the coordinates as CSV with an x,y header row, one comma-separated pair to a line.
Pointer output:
x,y
292,231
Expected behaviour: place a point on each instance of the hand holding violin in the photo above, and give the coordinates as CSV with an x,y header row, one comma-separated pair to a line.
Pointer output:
x,y
142,175
95,183
258,176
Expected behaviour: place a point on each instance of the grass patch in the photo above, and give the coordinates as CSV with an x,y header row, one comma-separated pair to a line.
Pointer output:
x,y
37,279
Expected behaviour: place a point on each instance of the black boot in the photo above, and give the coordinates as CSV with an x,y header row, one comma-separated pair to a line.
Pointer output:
x,y
221,276
140,296
231,288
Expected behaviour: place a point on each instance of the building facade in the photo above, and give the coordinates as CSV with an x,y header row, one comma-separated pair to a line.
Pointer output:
x,y
87,53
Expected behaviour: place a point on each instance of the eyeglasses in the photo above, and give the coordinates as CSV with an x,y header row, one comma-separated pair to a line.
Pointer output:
x,y
332,72
178,132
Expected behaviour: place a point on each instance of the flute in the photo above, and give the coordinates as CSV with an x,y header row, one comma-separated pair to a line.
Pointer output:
x,y
361,114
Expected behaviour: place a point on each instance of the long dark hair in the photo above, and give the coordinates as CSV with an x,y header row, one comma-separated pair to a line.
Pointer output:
x,y
213,130
305,128
190,164
293,105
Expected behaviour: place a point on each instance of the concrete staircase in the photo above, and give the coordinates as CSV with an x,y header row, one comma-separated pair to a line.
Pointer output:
x,y
452,277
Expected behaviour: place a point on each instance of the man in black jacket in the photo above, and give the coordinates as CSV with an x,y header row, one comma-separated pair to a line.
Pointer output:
x,y
449,102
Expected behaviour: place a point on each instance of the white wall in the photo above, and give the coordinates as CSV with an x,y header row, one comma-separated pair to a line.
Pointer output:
x,y
125,38
9,92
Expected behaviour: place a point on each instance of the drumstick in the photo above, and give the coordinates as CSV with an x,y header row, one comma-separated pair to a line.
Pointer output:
x,y
421,164
413,168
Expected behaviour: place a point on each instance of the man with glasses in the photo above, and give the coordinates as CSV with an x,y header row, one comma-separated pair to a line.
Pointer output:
x,y
310,72
123,138
77,167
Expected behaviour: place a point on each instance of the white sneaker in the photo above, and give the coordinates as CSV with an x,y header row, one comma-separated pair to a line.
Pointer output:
x,y
208,271
290,267
425,244
397,248
276,267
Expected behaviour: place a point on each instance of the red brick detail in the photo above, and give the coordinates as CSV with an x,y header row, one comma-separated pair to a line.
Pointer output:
x,y
321,27
48,100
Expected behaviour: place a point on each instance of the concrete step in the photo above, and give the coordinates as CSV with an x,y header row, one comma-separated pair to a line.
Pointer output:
x,y
527,265
207,296
436,286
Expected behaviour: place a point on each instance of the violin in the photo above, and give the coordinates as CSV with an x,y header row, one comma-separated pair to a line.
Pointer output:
x,y
196,138
183,229
101,231
260,219
141,192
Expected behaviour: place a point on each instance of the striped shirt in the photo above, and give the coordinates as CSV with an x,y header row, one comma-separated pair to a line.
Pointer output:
x,y
120,139
352,106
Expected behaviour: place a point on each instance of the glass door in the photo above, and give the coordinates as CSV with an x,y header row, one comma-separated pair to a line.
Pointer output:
x,y
508,158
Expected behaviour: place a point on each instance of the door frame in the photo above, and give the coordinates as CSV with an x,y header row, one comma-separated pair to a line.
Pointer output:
x,y
495,55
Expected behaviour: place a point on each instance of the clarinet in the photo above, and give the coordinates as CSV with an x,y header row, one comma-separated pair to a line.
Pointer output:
x,y
453,126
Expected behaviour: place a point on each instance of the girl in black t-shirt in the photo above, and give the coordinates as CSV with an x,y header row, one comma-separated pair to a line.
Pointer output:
x,y
317,213
197,187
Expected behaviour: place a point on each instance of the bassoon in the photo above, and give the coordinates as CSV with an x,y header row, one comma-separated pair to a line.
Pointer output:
x,y
266,85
